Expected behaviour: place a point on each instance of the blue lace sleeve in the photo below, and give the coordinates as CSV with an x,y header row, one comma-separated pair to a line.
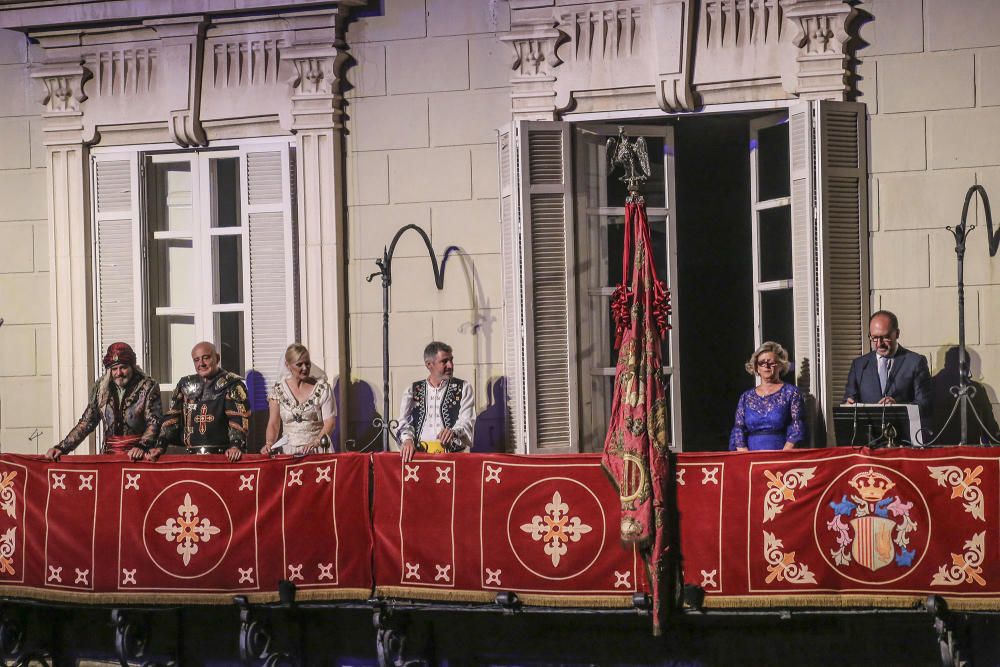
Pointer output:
x,y
738,436
796,431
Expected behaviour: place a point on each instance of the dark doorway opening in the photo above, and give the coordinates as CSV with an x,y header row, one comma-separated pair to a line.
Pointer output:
x,y
714,290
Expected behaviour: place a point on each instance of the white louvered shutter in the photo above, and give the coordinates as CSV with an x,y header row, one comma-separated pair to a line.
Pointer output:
x,y
828,146
117,256
267,214
805,261
513,307
548,285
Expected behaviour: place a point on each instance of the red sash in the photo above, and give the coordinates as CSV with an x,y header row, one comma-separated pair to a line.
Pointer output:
x,y
121,444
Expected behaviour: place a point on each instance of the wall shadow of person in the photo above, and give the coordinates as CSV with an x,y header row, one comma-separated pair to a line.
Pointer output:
x,y
362,435
949,432
490,435
257,401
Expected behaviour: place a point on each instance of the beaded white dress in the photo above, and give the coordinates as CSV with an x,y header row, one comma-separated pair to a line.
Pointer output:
x,y
302,422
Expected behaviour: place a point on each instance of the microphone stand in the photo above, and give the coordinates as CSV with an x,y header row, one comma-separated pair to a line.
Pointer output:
x,y
964,391
385,425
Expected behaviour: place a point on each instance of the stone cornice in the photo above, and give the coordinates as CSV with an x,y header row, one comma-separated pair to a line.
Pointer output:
x,y
34,14
180,72
674,54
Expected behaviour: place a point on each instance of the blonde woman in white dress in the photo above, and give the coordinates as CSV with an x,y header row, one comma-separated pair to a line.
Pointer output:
x,y
302,409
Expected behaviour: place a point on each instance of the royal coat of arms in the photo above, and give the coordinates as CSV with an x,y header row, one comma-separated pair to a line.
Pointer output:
x,y
872,524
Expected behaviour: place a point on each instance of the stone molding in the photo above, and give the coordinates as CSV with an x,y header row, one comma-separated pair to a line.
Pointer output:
x,y
160,79
821,39
599,49
533,42
614,54
317,101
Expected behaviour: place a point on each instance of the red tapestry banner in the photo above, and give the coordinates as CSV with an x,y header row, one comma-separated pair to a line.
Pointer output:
x,y
466,527
188,529
842,527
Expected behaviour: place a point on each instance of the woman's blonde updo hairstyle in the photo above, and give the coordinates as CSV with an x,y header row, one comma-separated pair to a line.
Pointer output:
x,y
780,354
295,352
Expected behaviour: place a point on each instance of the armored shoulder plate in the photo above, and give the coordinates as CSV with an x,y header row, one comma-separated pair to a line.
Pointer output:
x,y
190,386
226,380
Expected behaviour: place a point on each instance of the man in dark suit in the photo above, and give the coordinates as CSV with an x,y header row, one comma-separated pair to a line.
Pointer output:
x,y
890,373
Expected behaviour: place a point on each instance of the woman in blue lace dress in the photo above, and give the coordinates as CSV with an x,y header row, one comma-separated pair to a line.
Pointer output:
x,y
769,416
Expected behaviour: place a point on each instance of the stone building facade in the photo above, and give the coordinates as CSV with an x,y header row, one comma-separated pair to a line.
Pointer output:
x,y
329,125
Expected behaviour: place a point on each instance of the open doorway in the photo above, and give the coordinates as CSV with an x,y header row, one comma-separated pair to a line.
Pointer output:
x,y
704,202
715,281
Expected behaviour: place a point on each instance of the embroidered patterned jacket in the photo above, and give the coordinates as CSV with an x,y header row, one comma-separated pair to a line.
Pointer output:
x,y
212,413
424,411
138,413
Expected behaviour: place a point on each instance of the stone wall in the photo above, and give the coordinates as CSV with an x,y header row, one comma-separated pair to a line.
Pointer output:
x,y
929,78
25,354
428,89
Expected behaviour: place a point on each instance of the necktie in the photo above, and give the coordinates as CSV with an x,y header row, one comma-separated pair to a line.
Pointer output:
x,y
883,372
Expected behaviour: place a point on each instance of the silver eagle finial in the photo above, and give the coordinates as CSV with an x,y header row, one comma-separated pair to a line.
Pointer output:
x,y
632,156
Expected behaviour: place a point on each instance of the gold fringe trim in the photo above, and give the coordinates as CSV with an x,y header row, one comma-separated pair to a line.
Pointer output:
x,y
847,601
167,599
531,599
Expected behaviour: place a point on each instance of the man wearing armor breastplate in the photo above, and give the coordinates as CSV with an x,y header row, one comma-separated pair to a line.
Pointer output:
x,y
208,410
437,414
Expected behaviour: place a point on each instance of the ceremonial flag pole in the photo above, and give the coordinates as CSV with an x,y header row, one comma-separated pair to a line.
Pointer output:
x,y
635,449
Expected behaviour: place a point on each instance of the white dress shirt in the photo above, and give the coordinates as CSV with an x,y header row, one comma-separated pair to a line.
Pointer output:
x,y
463,428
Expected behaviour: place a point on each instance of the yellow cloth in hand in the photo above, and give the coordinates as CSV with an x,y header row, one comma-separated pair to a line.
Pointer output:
x,y
433,446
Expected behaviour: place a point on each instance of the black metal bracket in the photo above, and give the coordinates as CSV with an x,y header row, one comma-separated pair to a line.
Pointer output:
x,y
947,629
132,638
964,391
390,639
384,264
257,640
13,650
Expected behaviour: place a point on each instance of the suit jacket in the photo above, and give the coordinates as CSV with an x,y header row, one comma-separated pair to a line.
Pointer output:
x,y
909,380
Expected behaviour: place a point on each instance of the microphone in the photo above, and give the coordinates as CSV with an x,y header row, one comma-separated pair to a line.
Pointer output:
x,y
888,432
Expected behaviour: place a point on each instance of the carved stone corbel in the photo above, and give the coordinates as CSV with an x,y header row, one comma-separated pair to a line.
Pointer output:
x,y
534,42
674,29
183,45
63,86
63,83
821,38
317,101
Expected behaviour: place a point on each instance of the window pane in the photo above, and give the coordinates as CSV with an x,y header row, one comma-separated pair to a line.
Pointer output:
x,y
616,241
654,187
229,333
773,176
775,235
616,244
172,262
227,269
171,340
777,318
226,192
172,208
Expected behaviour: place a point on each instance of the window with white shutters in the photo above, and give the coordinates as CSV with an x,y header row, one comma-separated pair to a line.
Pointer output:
x,y
600,214
829,176
540,317
560,213
208,255
771,233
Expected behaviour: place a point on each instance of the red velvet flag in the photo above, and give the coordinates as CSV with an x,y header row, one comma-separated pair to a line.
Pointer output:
x,y
635,450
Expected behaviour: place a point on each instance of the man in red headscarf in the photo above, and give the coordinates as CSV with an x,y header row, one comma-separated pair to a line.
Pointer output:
x,y
127,401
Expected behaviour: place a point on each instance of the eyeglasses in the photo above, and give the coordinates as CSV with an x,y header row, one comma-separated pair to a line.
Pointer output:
x,y
767,364
881,339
